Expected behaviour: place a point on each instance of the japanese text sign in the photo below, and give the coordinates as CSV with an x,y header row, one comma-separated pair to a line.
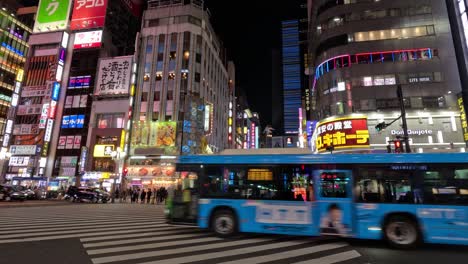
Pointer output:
x,y
114,76
52,15
88,14
88,39
463,119
342,133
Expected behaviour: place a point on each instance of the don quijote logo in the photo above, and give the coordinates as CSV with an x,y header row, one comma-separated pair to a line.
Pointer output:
x,y
418,132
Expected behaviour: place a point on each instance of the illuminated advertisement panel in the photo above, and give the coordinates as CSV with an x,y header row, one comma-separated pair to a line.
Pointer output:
x,y
342,133
88,39
88,14
114,75
52,15
463,119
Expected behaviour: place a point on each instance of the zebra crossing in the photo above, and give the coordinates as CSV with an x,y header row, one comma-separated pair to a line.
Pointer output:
x,y
133,233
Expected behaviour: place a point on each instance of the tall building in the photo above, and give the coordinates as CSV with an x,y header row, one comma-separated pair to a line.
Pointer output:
x,y
292,86
13,51
184,92
50,140
459,23
362,49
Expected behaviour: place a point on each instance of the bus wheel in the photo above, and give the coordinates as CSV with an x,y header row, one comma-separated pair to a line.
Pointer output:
x,y
224,223
402,232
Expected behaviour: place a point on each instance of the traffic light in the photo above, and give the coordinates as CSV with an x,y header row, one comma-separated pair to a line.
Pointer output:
x,y
124,172
380,126
398,148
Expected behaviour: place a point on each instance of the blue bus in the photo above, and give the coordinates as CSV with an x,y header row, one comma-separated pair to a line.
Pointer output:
x,y
401,198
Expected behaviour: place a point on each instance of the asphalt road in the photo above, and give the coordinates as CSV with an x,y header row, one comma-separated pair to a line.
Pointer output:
x,y
134,233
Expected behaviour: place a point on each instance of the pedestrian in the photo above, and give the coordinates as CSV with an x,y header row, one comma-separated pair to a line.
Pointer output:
x,y
134,196
153,198
158,196
148,196
142,196
117,193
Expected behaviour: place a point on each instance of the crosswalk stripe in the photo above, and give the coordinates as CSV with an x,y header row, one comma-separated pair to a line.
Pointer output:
x,y
89,222
25,239
207,256
51,219
174,251
139,240
152,245
335,258
66,229
90,239
287,254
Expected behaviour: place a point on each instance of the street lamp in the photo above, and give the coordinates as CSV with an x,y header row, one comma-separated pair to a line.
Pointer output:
x,y
117,155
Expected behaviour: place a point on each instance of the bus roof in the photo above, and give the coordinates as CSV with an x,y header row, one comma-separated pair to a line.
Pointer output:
x,y
325,158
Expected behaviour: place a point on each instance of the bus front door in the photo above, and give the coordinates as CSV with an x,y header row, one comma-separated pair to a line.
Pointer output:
x,y
334,202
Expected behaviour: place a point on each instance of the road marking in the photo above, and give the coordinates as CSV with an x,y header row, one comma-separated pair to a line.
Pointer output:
x,y
138,240
23,222
288,254
62,230
89,239
152,245
55,226
335,258
174,251
227,253
129,230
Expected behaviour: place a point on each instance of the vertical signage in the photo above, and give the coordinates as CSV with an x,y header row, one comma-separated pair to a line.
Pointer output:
x,y
83,157
252,135
52,15
48,132
464,122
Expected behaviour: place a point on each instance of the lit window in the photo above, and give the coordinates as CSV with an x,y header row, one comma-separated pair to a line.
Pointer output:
x,y
367,81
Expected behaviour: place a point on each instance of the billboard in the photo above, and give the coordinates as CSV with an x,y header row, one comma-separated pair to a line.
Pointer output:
x,y
114,76
88,39
160,135
342,133
52,15
103,151
464,122
88,14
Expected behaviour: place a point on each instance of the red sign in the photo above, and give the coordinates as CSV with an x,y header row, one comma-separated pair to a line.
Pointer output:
x,y
88,39
52,109
342,133
88,14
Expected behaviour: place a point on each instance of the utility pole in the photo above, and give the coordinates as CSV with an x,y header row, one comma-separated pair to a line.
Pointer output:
x,y
403,118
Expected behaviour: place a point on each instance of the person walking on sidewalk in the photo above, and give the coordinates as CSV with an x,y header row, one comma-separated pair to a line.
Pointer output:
x,y
148,196
142,196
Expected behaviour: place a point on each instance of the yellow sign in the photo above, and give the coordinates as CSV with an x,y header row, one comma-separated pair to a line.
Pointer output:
x,y
464,122
20,75
260,175
122,140
342,133
105,175
103,151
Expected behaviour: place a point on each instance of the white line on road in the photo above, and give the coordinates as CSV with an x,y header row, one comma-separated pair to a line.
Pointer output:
x,y
335,258
174,251
227,253
152,245
70,224
287,254
147,239
168,227
108,232
67,230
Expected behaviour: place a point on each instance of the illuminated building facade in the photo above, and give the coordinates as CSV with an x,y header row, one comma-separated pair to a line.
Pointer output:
x,y
14,48
361,50
184,89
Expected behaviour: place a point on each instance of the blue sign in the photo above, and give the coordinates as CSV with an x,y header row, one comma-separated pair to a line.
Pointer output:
x,y
80,121
10,48
65,121
62,56
55,91
72,122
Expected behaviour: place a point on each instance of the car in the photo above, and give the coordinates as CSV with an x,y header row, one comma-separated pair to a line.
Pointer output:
x,y
81,195
8,193
102,196
30,194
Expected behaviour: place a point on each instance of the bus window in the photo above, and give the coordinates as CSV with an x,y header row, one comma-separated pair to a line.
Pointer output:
x,y
333,185
446,185
256,182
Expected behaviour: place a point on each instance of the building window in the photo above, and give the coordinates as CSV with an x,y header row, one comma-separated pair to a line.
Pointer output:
x,y
198,58
395,33
197,77
115,120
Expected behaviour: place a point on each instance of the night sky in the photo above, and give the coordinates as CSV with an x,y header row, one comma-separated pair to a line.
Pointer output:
x,y
250,30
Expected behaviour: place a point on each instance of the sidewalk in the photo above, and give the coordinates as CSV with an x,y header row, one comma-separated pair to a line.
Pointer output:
x,y
34,203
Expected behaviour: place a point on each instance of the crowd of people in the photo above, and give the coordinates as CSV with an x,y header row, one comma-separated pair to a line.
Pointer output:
x,y
142,196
